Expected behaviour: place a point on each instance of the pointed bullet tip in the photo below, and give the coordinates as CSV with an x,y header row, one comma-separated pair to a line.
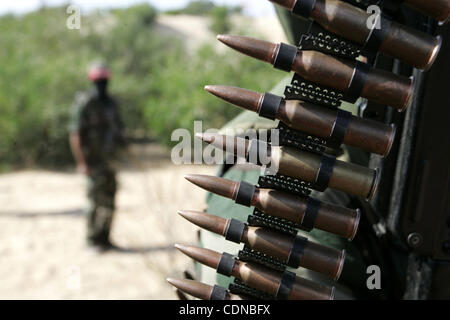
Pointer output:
x,y
184,249
181,247
212,89
193,178
189,177
216,90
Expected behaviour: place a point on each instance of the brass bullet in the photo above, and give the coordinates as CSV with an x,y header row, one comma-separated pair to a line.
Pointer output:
x,y
380,86
368,135
261,278
314,256
331,218
412,46
345,176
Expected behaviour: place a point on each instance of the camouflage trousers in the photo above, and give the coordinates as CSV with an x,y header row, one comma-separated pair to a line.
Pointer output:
x,y
101,194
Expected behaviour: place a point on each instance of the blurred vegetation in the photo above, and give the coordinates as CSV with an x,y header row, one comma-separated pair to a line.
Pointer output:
x,y
203,8
220,20
158,84
196,7
219,14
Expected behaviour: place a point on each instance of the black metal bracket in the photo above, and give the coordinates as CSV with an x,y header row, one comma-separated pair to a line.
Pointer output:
x,y
284,183
301,89
319,39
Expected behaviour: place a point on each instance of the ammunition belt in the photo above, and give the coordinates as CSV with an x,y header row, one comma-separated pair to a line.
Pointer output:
x,y
249,255
239,288
285,183
260,219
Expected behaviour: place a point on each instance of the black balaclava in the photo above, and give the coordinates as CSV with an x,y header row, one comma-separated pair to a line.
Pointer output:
x,y
101,88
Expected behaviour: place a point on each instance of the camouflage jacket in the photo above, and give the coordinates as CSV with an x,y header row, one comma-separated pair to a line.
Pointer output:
x,y
100,127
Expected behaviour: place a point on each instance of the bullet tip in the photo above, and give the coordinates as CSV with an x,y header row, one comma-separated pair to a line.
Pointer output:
x,y
181,212
192,177
212,89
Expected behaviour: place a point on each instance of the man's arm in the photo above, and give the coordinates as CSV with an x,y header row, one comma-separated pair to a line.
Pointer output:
x,y
75,145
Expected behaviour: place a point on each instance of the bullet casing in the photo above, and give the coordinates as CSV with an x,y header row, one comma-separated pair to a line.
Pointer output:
x,y
331,218
292,250
347,177
317,120
257,276
407,44
377,85
369,135
267,280
325,260
380,86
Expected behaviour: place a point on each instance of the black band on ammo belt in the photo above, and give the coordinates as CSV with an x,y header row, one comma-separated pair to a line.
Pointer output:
x,y
340,128
226,264
296,254
218,293
358,81
309,220
378,35
285,57
303,8
285,287
235,230
325,172
270,105
245,193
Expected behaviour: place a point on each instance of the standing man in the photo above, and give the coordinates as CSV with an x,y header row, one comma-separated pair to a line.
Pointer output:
x,y
95,139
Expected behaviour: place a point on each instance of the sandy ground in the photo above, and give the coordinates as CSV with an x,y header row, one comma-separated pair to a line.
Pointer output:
x,y
195,31
42,233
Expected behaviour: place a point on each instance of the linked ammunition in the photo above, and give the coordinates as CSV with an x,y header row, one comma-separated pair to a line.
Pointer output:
x,y
368,135
282,285
295,251
203,291
304,165
396,40
305,211
379,86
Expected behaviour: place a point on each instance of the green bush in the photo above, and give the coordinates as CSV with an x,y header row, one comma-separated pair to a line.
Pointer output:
x,y
196,7
220,20
158,85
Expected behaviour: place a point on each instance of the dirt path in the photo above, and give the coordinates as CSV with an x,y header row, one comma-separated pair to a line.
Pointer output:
x,y
42,234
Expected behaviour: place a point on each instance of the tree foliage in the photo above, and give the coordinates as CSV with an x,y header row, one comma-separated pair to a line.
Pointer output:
x,y
158,85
